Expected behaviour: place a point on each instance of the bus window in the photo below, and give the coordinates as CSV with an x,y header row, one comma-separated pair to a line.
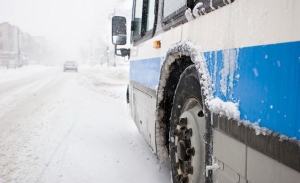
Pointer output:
x,y
171,6
138,12
143,20
151,15
174,12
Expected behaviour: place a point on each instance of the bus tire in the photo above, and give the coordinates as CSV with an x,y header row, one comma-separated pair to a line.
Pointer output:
x,y
187,131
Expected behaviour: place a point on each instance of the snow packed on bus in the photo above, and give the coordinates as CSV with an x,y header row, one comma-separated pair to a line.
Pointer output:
x,y
215,86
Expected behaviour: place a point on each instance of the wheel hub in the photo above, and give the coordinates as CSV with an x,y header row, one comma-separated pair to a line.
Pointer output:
x,y
189,156
184,151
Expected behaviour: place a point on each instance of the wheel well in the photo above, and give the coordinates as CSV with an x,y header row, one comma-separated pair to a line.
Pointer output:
x,y
176,69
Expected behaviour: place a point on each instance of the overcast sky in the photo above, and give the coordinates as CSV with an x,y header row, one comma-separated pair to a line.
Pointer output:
x,y
67,22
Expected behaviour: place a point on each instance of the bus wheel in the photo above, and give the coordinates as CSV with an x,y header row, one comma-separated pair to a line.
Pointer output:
x,y
187,129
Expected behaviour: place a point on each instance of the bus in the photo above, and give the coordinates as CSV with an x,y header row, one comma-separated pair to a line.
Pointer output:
x,y
215,86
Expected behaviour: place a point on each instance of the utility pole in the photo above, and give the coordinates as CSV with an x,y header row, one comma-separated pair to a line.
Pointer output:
x,y
114,54
18,64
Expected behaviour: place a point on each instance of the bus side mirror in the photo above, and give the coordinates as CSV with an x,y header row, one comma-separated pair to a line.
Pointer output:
x,y
119,35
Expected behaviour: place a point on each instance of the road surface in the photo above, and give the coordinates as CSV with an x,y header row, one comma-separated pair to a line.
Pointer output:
x,y
71,127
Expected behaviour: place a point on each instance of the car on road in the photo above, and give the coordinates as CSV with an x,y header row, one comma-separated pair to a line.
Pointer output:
x,y
70,65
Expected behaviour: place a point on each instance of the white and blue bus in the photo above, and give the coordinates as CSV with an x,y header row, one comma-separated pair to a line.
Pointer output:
x,y
215,86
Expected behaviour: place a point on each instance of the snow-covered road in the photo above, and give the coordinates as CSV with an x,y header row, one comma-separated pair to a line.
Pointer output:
x,y
71,127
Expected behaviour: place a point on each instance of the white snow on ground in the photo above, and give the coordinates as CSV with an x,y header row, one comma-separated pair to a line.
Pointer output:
x,y
71,127
7,75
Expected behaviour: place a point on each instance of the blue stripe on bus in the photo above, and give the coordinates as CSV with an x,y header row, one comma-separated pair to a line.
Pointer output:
x,y
268,89
266,83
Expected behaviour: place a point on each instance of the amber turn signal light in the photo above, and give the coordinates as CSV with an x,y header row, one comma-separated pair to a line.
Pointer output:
x,y
156,44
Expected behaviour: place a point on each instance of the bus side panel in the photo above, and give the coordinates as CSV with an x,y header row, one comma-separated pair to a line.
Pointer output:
x,y
144,76
239,163
142,104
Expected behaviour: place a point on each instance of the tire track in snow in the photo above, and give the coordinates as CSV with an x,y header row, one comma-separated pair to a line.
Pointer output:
x,y
55,151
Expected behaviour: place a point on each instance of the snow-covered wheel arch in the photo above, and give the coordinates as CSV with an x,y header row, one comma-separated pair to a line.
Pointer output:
x,y
181,49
